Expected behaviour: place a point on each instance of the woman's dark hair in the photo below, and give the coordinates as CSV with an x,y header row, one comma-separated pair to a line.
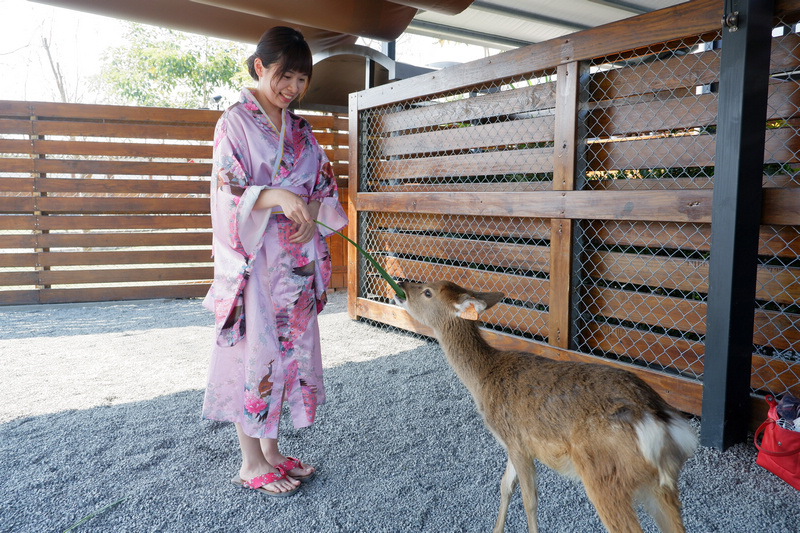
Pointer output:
x,y
285,47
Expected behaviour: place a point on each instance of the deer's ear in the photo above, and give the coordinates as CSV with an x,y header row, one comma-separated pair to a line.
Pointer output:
x,y
469,307
489,299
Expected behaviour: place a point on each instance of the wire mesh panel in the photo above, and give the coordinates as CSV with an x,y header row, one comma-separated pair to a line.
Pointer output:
x,y
641,285
494,138
776,339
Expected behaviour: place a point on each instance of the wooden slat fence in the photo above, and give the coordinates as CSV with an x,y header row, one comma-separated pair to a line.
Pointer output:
x,y
576,176
112,203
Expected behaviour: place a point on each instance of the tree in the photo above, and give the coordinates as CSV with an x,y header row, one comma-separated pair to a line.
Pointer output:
x,y
167,68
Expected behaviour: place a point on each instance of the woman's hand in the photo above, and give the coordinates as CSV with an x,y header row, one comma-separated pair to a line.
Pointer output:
x,y
305,232
295,209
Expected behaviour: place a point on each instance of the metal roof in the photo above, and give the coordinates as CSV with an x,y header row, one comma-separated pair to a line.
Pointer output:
x,y
503,24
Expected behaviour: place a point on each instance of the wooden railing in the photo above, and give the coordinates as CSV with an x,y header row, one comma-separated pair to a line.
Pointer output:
x,y
112,203
576,175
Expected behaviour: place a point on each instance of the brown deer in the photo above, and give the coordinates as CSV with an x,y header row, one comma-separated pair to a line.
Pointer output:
x,y
598,423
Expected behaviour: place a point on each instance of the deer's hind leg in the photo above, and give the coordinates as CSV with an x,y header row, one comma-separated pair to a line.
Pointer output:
x,y
609,486
664,505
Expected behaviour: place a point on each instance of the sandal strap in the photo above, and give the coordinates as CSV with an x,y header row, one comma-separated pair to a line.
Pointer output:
x,y
289,464
264,479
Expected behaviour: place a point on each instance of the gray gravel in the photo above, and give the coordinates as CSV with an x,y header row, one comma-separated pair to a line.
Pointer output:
x,y
102,402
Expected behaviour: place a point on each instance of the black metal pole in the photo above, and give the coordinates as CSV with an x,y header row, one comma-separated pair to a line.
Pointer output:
x,y
736,215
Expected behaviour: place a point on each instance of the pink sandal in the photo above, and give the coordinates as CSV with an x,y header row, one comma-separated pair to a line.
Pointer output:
x,y
257,483
290,464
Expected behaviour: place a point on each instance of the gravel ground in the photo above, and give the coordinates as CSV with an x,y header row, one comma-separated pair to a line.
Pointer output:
x,y
101,403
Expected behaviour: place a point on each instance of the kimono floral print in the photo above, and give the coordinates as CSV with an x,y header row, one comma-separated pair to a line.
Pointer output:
x,y
269,348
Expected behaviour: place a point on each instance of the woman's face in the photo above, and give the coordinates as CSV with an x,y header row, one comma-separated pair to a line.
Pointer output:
x,y
280,92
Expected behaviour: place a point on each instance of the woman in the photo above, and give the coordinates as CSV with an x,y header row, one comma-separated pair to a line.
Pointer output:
x,y
270,181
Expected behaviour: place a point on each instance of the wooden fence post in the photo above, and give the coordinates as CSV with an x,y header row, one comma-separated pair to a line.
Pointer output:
x,y
736,215
561,229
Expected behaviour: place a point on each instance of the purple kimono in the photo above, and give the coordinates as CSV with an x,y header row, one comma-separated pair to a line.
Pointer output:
x,y
267,291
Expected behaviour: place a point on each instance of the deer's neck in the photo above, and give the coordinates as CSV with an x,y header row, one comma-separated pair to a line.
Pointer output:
x,y
466,351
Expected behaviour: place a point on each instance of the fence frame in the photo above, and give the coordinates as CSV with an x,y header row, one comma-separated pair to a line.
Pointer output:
x,y
563,205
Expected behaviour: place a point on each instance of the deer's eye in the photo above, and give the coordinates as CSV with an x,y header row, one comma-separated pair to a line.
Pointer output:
x,y
427,293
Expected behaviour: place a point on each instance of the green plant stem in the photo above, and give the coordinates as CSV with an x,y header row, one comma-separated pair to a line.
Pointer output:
x,y
106,508
385,275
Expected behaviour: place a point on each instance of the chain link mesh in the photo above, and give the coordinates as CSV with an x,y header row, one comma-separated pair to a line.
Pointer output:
x,y
459,142
776,336
641,287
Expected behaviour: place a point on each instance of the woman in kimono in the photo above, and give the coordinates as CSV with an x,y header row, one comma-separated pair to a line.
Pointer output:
x,y
270,181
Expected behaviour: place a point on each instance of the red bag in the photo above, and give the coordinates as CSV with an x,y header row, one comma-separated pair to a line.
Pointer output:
x,y
779,451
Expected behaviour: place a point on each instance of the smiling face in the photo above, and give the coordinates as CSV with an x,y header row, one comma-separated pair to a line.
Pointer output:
x,y
276,90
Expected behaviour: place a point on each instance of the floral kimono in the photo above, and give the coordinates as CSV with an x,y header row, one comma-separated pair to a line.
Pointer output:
x,y
267,291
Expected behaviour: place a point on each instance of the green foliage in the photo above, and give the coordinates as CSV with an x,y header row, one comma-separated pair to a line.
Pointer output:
x,y
166,68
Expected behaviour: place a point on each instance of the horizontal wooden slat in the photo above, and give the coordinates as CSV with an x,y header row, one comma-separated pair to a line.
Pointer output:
x,y
777,329
120,149
122,186
518,227
117,222
784,56
668,235
655,115
123,258
124,275
18,260
676,206
518,101
12,108
515,287
122,130
779,241
778,284
19,297
534,258
17,204
9,279
507,187
782,145
18,240
770,372
679,71
98,240
651,309
525,161
144,168
653,348
18,222
784,99
654,271
85,294
20,165
660,152
684,394
16,146
122,205
514,132
167,115
331,138
780,206
16,126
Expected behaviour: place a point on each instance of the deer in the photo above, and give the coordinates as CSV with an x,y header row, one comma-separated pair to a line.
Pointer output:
x,y
600,424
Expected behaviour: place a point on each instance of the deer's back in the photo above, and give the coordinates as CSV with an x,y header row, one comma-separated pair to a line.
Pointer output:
x,y
531,396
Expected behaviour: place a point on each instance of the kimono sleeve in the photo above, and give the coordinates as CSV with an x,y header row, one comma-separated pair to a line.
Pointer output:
x,y
237,225
326,192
